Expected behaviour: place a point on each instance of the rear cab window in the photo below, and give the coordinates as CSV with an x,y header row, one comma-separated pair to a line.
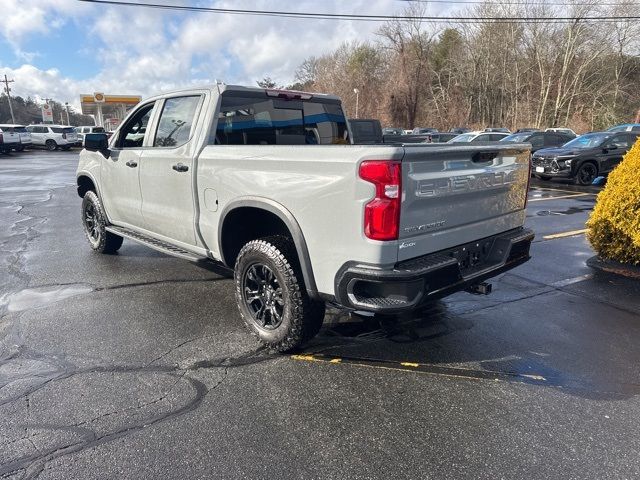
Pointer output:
x,y
257,118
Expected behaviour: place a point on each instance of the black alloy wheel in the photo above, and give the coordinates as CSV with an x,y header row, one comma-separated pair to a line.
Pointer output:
x,y
90,219
587,173
263,296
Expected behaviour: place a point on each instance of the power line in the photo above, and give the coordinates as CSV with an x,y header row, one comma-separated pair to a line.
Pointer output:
x,y
522,3
365,18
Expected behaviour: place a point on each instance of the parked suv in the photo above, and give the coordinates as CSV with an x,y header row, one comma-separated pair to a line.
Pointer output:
x,y
583,158
24,137
53,136
539,140
9,139
83,130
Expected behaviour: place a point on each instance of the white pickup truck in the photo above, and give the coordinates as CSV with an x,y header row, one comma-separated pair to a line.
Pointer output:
x,y
268,183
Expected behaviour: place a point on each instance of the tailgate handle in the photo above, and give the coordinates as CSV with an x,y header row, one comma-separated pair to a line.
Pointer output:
x,y
482,157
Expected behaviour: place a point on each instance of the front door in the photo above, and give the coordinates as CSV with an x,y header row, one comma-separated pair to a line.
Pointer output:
x,y
167,170
120,172
613,151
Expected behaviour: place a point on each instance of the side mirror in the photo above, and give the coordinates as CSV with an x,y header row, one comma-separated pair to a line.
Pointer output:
x,y
97,142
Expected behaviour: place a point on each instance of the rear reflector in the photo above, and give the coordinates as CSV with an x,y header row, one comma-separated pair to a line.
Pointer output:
x,y
382,213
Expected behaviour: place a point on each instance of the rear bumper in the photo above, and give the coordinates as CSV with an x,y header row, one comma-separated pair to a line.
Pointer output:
x,y
414,282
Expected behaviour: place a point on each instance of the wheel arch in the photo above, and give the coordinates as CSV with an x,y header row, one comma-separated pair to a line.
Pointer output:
x,y
86,182
268,210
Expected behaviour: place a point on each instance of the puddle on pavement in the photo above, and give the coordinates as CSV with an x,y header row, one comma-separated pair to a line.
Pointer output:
x,y
41,297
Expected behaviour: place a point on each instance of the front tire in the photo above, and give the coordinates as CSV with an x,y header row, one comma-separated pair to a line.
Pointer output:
x,y
271,295
586,174
51,145
94,222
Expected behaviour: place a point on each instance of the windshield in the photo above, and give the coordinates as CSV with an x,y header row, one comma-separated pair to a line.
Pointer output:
x,y
517,138
465,137
590,140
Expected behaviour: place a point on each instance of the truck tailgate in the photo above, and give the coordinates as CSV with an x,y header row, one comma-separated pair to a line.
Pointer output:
x,y
454,195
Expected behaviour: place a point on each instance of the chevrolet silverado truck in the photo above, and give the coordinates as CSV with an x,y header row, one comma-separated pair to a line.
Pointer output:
x,y
269,184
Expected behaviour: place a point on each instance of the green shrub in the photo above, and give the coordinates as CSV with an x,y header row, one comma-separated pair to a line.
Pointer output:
x,y
614,225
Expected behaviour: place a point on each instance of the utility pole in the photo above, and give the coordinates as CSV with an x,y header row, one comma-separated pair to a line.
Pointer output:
x,y
357,92
6,82
66,107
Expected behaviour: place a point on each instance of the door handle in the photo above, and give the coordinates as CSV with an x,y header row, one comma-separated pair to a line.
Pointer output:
x,y
180,167
131,164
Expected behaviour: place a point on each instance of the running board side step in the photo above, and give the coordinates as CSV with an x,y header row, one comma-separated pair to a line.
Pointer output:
x,y
156,244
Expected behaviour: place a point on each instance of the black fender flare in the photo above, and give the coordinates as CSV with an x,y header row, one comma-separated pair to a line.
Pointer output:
x,y
290,222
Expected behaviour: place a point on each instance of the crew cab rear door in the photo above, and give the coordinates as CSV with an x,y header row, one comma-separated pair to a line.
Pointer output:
x,y
167,168
453,194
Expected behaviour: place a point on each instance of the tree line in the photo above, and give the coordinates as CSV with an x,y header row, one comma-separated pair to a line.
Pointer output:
x,y
581,74
28,111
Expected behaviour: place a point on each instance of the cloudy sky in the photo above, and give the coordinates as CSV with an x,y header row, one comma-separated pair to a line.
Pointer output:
x,y
61,48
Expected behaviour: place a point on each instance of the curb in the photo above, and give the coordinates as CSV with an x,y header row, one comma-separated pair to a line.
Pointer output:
x,y
610,266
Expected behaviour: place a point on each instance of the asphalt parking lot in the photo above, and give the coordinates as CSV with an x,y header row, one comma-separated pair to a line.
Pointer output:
x,y
136,365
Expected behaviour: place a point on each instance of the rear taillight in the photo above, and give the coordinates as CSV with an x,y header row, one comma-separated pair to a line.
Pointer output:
x,y
1,138
382,213
64,135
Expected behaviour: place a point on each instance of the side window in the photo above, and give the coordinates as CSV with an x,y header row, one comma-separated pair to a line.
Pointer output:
x,y
620,141
537,141
132,133
174,127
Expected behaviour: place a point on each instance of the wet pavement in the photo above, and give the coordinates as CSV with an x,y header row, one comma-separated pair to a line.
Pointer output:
x,y
136,365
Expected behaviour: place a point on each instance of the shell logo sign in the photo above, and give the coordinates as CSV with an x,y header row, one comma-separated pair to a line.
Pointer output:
x,y
47,113
98,97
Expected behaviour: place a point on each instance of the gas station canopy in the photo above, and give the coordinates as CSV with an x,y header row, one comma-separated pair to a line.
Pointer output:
x,y
104,107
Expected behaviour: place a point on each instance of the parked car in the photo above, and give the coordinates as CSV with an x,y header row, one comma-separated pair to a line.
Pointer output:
x,y
583,158
53,136
378,228
442,137
539,140
497,129
562,130
422,131
392,131
459,130
474,137
625,127
83,130
365,131
11,130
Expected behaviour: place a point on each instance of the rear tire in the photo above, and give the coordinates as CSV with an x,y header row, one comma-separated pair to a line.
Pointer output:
x,y
272,297
51,145
94,222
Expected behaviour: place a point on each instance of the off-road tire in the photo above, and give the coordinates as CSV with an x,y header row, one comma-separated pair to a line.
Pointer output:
x,y
99,239
51,145
586,174
301,316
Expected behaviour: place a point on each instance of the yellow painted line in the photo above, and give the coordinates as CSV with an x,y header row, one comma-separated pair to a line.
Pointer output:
x,y
409,364
308,358
572,233
559,196
335,360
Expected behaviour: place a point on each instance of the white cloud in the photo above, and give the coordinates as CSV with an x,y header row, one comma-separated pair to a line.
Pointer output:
x,y
143,51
